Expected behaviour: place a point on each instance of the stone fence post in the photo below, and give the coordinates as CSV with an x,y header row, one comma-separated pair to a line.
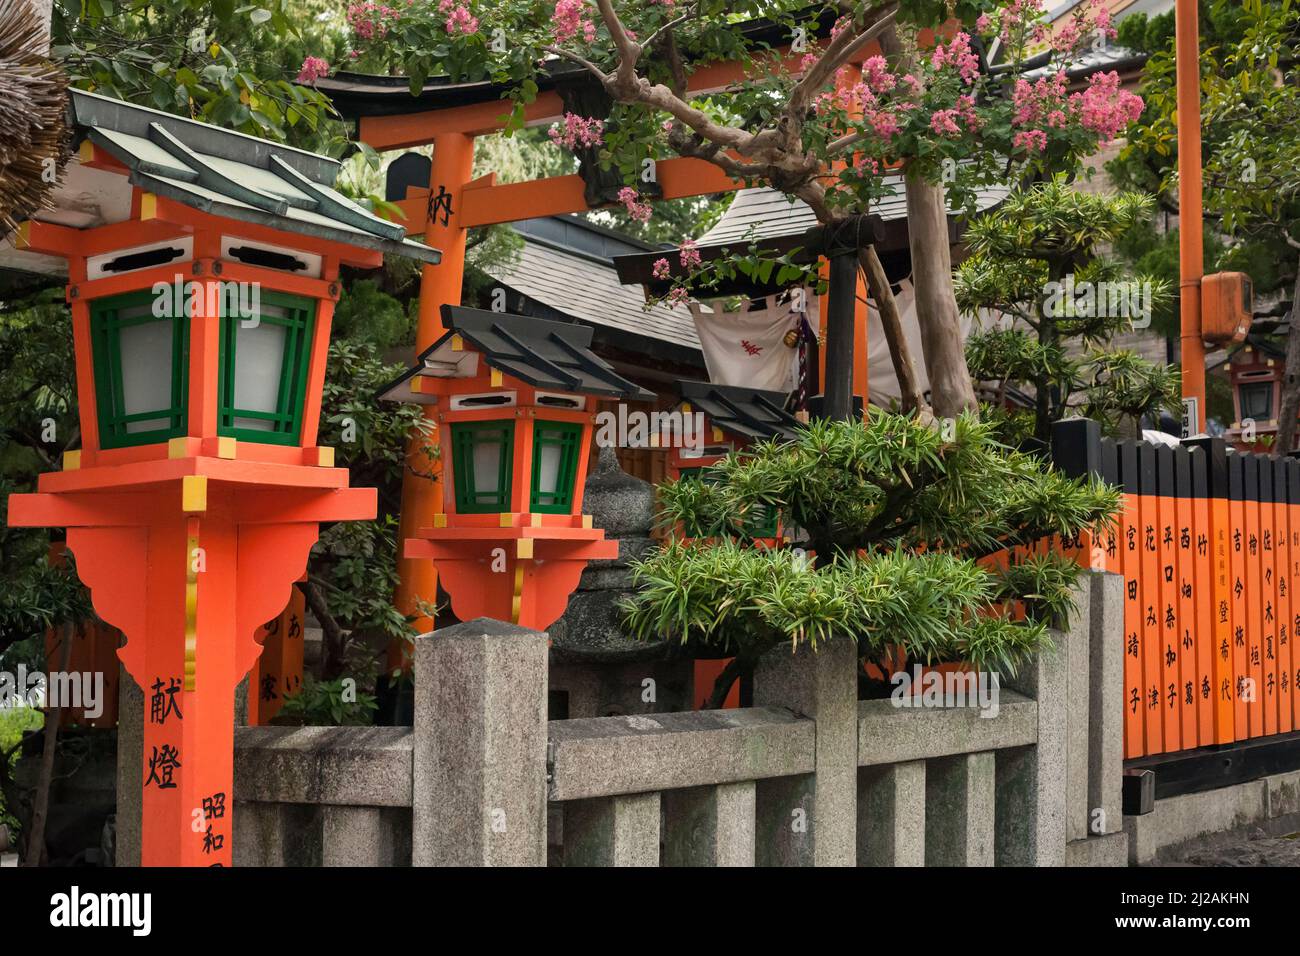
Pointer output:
x,y
1031,814
811,820
479,796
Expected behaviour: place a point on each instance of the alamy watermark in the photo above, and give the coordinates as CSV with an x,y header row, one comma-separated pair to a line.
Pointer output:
x,y
188,298
83,690
932,688
630,428
1129,299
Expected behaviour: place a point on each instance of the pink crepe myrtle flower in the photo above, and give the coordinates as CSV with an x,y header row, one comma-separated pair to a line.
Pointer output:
x,y
677,296
984,23
1030,140
688,254
570,19
944,122
1089,21
884,123
1017,22
631,200
661,269
313,68
1032,102
1104,108
459,18
576,131
866,165
876,75
959,56
370,20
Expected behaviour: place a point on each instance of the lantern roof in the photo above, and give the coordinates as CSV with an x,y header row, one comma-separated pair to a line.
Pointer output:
x,y
548,355
750,412
234,175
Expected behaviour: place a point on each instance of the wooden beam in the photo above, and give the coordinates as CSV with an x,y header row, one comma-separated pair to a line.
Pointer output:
x,y
513,202
47,238
65,241
179,214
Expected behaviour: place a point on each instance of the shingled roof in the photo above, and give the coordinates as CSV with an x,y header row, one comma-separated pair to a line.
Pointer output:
x,y
750,412
547,355
778,223
233,175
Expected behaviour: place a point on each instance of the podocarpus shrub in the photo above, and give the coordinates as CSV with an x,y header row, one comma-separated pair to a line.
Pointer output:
x,y
897,528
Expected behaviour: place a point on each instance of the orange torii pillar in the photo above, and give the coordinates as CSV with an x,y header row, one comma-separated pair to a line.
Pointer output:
x,y
453,163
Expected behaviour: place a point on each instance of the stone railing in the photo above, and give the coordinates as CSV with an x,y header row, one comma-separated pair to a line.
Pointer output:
x,y
807,776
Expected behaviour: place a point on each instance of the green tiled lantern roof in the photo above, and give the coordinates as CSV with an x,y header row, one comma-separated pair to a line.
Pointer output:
x,y
233,175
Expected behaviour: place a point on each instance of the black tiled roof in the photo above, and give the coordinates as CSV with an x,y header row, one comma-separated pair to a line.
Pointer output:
x,y
750,412
546,355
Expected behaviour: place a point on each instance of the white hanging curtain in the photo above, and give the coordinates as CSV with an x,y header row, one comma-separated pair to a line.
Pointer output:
x,y
749,347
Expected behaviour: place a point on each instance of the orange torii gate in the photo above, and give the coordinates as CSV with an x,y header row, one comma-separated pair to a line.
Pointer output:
x,y
456,202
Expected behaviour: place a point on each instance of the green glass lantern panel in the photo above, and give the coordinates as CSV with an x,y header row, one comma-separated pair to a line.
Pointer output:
x,y
140,354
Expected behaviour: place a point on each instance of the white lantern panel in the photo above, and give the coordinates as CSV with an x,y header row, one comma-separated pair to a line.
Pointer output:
x,y
146,352
259,361
487,466
548,474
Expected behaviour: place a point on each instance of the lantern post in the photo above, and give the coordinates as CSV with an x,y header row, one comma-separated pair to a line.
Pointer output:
x,y
201,323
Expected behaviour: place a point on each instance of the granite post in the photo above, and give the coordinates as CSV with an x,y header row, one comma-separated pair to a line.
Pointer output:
x,y
479,795
811,820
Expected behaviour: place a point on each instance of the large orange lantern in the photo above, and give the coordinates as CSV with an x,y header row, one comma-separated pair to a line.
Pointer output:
x,y
515,403
201,317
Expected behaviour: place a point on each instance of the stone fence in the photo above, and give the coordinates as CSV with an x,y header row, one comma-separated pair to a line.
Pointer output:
x,y
808,776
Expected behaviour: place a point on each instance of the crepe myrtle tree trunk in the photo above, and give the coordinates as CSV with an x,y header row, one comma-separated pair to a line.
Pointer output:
x,y
951,389
1290,402
900,353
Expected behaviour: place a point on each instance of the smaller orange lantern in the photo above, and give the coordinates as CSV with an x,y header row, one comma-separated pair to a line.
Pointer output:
x,y
733,417
516,403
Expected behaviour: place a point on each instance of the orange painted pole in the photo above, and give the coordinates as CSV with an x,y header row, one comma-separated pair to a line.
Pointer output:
x,y
453,161
1254,601
1293,572
1238,562
1188,73
1206,602
1268,692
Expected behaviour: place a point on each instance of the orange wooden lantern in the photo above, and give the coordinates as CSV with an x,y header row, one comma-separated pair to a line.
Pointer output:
x,y
732,417
201,321
515,402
